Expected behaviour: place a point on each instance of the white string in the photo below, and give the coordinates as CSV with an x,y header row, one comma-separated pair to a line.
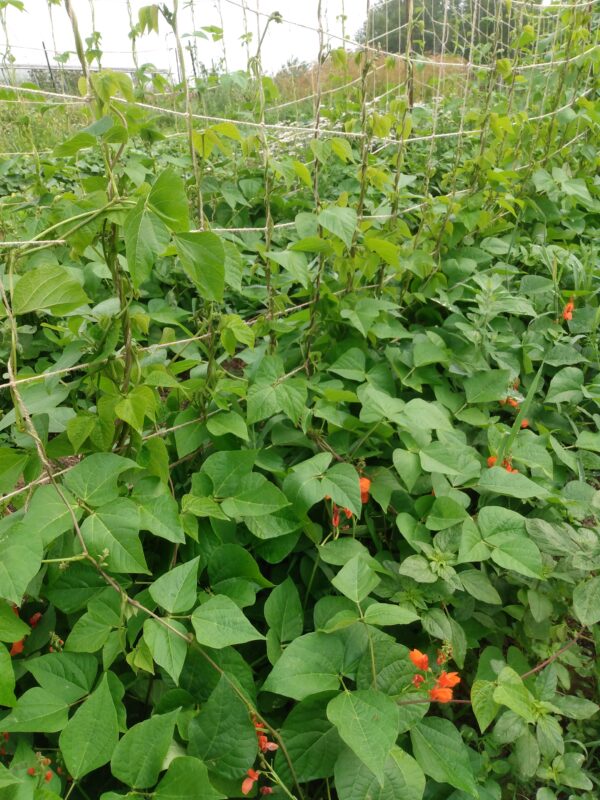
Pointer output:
x,y
33,241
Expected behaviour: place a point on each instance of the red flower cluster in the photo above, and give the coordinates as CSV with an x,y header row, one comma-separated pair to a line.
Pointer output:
x,y
507,464
442,691
249,782
567,313
335,517
18,647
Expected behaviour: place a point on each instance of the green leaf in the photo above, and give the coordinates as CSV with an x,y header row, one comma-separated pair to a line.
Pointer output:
x,y
341,483
12,627
223,735
94,480
566,386
356,579
7,680
48,288
228,422
186,779
498,481
160,516
88,740
177,590
37,711
167,649
146,238
586,601
402,778
384,614
139,755
21,559
517,553
69,676
167,198
203,259
485,707
477,584
49,515
310,664
256,497
227,468
339,221
283,611
367,721
488,386
139,404
219,623
312,742
114,527
442,754
512,692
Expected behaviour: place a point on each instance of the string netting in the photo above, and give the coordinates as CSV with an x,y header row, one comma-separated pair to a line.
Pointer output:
x,y
424,119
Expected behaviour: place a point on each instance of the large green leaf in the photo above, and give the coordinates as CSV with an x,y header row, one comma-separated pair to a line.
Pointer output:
x,y
168,199
219,623
146,237
586,601
311,740
222,734
21,559
203,258
442,754
186,779
69,676
311,663
485,387
256,497
356,579
512,692
37,711
138,758
88,740
367,720
94,480
402,778
176,591
339,221
498,481
114,528
166,648
49,288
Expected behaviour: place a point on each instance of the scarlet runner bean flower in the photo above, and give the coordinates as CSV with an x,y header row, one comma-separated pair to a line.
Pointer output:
x,y
48,776
447,680
249,782
419,659
417,681
17,648
31,771
35,618
440,695
492,460
567,313
524,423
365,486
266,790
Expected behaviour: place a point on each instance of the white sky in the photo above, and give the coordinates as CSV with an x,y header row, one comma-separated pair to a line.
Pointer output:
x,y
27,30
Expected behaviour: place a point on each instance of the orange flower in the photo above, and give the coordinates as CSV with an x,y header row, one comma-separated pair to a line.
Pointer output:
x,y
266,790
524,423
17,648
512,402
447,680
35,618
417,681
48,776
249,782
265,745
365,485
440,694
492,460
567,313
348,513
335,517
31,771
419,659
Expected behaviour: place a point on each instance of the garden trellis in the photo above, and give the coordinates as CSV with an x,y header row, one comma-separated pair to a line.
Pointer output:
x,y
231,295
